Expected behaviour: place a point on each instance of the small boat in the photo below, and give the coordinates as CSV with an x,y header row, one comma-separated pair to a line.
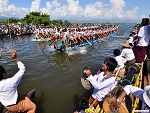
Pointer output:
x,y
30,95
38,39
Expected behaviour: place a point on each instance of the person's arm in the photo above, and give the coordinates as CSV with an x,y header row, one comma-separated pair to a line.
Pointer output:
x,y
137,92
14,55
138,40
123,53
124,60
140,35
17,77
99,85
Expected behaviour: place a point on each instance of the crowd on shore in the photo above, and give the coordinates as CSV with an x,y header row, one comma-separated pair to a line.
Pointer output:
x,y
20,29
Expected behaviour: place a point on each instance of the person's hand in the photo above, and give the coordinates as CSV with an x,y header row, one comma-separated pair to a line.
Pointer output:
x,y
136,45
13,54
114,104
0,53
88,73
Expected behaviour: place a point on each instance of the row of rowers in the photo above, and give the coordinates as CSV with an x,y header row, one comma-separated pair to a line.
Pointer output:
x,y
102,31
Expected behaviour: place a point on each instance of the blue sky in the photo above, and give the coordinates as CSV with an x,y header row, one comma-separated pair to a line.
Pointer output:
x,y
88,10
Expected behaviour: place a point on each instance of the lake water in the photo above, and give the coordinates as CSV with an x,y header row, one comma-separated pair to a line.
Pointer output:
x,y
54,75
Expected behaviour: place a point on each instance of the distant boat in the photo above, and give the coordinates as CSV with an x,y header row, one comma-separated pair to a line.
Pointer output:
x,y
38,39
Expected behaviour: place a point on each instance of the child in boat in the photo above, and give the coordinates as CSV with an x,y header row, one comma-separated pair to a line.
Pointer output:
x,y
102,82
120,60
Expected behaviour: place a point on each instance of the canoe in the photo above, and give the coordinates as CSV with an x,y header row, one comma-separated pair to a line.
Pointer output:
x,y
40,39
30,95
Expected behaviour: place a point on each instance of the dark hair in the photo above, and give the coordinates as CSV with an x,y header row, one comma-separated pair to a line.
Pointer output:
x,y
145,21
2,72
111,63
116,52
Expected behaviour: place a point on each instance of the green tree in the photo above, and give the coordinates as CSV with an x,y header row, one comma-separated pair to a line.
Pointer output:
x,y
36,18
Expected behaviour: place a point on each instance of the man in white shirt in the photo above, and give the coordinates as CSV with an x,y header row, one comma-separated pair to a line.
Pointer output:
x,y
143,41
8,89
104,81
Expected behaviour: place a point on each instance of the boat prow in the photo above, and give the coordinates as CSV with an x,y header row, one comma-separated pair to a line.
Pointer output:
x,y
30,95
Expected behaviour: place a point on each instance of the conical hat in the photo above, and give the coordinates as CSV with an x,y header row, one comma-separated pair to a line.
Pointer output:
x,y
125,44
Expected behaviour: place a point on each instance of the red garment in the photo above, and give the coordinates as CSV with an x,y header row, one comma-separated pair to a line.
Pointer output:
x,y
140,53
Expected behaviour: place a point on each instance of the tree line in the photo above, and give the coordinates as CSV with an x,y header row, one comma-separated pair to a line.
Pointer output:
x,y
37,18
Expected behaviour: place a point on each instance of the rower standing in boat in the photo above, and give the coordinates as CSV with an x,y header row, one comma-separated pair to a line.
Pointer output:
x,y
9,96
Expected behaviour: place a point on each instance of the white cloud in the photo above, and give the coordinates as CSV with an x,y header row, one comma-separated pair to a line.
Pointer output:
x,y
10,10
35,6
72,9
94,10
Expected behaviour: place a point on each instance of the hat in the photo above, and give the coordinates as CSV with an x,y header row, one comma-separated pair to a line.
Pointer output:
x,y
85,83
146,95
125,44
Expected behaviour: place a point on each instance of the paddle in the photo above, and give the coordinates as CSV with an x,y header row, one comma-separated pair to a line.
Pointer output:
x,y
88,41
47,43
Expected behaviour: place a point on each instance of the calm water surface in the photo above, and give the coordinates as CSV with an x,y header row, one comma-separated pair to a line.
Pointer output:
x,y
54,75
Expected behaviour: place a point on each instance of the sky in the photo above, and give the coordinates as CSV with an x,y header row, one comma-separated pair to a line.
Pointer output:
x,y
79,10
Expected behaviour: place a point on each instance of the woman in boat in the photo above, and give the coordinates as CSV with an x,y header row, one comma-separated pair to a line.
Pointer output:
x,y
102,82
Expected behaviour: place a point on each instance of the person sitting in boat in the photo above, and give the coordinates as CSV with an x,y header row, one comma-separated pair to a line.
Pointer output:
x,y
102,82
9,97
143,95
121,63
131,39
127,53
120,60
130,67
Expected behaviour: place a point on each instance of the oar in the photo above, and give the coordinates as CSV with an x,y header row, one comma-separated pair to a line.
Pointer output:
x,y
88,41
47,43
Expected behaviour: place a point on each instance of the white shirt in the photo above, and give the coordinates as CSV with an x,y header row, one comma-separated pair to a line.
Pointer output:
x,y
120,60
8,87
137,92
101,86
128,54
130,39
144,32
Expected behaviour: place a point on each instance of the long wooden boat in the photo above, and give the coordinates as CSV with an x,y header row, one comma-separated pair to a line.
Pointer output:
x,y
87,42
130,103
